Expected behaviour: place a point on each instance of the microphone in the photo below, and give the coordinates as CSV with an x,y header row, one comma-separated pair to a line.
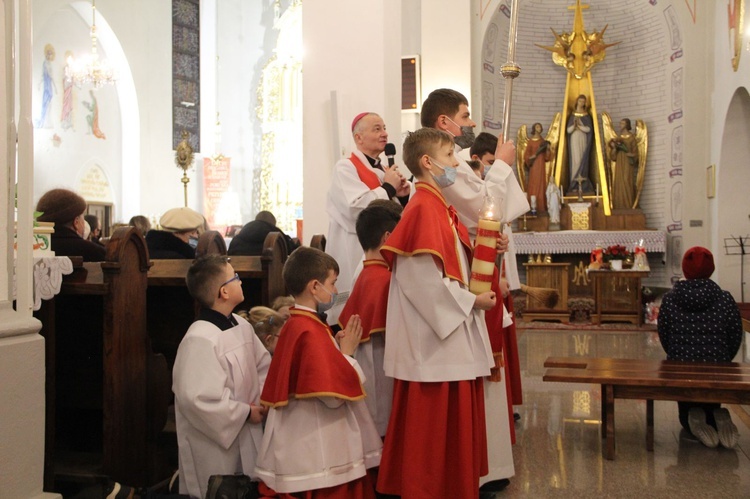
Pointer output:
x,y
390,152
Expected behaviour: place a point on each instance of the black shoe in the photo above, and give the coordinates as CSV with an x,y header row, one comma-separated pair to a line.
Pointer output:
x,y
495,485
516,416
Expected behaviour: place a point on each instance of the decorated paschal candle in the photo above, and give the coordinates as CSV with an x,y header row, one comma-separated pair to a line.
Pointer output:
x,y
485,247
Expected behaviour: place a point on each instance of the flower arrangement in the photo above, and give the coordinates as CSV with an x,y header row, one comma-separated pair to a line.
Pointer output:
x,y
616,252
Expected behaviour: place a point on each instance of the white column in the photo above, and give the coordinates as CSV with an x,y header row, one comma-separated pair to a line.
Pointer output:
x,y
21,347
446,47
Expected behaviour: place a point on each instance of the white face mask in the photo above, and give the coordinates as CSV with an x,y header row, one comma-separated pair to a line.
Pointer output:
x,y
486,169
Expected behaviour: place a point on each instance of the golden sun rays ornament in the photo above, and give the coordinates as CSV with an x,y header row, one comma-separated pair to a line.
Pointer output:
x,y
736,16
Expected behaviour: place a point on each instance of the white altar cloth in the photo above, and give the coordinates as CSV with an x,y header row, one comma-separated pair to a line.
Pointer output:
x,y
583,241
48,274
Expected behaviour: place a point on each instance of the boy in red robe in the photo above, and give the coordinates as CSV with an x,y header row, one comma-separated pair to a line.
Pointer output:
x,y
319,438
369,299
438,349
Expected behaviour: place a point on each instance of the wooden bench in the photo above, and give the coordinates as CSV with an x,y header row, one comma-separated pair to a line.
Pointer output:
x,y
107,392
171,310
650,379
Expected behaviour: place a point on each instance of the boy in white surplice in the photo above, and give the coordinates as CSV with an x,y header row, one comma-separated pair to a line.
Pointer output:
x,y
218,376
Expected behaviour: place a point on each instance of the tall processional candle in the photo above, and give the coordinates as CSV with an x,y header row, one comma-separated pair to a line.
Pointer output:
x,y
485,247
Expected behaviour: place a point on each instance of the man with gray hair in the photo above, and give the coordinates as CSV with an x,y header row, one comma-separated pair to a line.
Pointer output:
x,y
355,182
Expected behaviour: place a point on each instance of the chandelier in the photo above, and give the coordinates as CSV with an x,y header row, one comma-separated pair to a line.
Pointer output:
x,y
89,68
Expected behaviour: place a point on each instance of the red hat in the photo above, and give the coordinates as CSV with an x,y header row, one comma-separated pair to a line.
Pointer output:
x,y
698,263
357,118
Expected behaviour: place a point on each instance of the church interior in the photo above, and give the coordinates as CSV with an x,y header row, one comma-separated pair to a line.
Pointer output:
x,y
262,93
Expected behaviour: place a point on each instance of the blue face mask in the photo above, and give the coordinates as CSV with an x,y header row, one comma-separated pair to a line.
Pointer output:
x,y
486,170
193,242
324,306
447,178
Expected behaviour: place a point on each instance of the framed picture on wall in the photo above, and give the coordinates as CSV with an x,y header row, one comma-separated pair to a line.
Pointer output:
x,y
711,181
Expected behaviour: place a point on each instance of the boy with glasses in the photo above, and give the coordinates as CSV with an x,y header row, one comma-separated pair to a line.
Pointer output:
x,y
218,376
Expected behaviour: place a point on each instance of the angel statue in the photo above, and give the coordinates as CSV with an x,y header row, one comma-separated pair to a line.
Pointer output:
x,y
626,161
537,155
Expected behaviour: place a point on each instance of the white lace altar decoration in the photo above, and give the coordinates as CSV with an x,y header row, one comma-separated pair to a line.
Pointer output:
x,y
48,276
583,241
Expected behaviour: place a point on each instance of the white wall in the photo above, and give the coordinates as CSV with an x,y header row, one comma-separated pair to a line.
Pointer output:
x,y
446,37
727,145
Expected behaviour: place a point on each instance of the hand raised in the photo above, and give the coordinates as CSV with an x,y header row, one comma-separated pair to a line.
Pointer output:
x,y
392,176
349,337
505,151
404,189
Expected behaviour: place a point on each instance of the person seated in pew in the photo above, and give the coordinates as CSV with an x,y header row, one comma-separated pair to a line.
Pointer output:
x,y
95,225
267,324
67,209
698,321
178,236
282,304
141,223
249,241
218,377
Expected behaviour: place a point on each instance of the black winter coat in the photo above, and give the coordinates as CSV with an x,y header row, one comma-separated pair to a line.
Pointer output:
x,y
66,242
163,244
250,239
698,321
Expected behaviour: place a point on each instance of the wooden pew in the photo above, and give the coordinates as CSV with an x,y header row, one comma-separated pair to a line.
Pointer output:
x,y
171,309
108,392
211,242
318,241
650,379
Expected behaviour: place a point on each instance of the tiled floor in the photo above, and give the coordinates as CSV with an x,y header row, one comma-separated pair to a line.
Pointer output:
x,y
559,450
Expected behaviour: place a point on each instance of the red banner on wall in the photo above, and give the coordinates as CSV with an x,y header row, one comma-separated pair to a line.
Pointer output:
x,y
215,186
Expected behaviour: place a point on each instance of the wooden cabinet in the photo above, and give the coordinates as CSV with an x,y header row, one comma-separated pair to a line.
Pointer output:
x,y
547,275
617,295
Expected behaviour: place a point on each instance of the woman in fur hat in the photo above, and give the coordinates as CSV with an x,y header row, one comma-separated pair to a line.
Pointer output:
x,y
66,209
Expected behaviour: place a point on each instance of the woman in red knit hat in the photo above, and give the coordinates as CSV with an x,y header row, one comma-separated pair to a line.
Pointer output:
x,y
700,322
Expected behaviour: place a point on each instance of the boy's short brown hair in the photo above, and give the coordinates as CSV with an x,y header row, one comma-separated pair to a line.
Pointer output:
x,y
307,264
379,217
204,278
441,101
424,141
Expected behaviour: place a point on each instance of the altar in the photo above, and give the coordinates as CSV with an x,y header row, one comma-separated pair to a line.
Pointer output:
x,y
583,241
545,259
